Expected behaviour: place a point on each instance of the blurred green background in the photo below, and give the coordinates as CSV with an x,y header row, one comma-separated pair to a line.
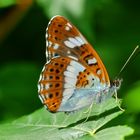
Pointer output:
x,y
111,26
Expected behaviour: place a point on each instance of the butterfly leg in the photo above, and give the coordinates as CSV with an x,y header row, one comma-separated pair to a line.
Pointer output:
x,y
88,111
118,101
98,99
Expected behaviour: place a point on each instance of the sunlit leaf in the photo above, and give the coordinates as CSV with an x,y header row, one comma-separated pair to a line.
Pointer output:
x,y
6,3
44,125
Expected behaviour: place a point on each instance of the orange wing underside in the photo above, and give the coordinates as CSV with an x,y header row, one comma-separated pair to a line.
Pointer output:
x,y
52,81
83,53
87,53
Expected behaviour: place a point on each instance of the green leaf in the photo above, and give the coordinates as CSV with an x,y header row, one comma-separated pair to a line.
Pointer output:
x,y
115,133
112,133
131,100
6,3
44,125
62,7
17,85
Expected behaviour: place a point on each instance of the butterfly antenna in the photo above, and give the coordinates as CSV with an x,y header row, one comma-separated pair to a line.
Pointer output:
x,y
132,56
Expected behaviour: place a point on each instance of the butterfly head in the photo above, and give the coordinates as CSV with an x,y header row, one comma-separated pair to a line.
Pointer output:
x,y
116,84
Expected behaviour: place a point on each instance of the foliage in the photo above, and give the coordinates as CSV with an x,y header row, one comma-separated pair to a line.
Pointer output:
x,y
112,27
44,125
5,3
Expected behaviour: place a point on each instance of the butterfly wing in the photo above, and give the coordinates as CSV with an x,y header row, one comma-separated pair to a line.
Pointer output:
x,y
82,68
64,39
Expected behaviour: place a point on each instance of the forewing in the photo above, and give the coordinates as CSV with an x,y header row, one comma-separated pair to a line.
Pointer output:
x,y
64,39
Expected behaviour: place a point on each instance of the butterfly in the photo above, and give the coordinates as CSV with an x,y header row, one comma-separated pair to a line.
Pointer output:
x,y
74,76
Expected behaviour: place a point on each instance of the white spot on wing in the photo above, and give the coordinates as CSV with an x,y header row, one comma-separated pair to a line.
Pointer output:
x,y
70,81
46,86
43,68
46,95
77,65
69,74
80,40
46,35
71,69
99,71
41,87
38,87
69,44
92,61
75,41
67,28
69,25
47,43
67,85
83,38
41,98
47,54
40,77
56,46
73,57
